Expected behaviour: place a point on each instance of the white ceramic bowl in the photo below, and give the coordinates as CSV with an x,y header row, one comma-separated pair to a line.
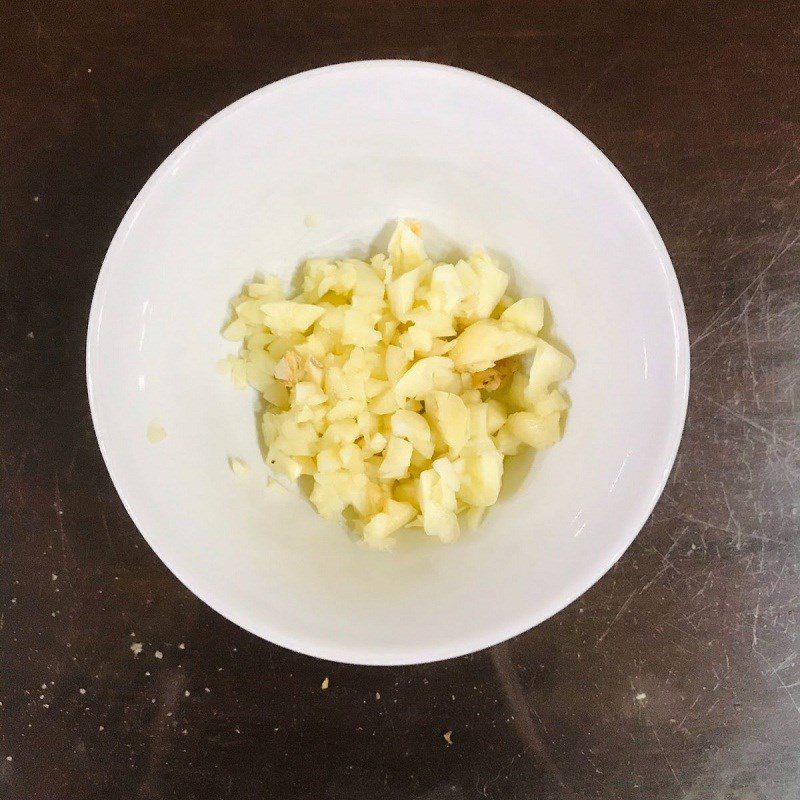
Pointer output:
x,y
359,145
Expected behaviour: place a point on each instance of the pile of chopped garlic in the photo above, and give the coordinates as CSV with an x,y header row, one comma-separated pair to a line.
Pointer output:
x,y
397,385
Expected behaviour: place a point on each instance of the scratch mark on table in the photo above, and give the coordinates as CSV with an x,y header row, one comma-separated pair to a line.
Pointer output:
x,y
160,736
674,544
706,524
38,46
732,518
777,674
666,757
752,423
755,624
618,615
712,326
65,549
523,719
749,346
702,589
777,580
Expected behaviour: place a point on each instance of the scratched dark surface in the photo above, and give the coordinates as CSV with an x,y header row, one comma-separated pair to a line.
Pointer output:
x,y
676,676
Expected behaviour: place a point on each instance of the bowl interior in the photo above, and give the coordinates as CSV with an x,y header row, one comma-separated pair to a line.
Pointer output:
x,y
359,146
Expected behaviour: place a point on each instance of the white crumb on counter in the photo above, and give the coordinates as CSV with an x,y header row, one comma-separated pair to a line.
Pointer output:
x,y
311,220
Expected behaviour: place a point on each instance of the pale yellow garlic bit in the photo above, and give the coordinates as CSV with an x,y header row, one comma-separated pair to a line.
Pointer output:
x,y
155,432
239,468
396,386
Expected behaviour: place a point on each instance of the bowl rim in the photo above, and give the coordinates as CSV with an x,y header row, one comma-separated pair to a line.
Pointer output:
x,y
463,645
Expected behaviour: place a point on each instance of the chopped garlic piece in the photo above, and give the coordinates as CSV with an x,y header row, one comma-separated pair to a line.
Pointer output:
x,y
238,467
397,385
155,432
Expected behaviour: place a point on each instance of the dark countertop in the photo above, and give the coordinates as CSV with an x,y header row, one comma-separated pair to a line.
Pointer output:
x,y
676,676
